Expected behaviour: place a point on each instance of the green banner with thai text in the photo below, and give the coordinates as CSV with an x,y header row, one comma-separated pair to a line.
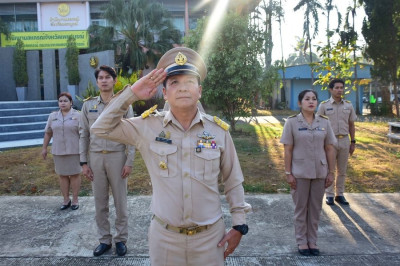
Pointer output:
x,y
40,40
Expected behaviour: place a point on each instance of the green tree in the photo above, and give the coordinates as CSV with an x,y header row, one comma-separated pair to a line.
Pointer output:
x,y
311,9
19,67
143,32
233,69
3,29
300,56
381,30
71,58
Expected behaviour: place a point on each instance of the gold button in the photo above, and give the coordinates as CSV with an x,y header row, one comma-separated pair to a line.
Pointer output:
x,y
186,174
186,196
185,154
187,217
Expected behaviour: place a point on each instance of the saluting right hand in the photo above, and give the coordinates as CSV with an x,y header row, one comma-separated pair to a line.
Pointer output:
x,y
146,87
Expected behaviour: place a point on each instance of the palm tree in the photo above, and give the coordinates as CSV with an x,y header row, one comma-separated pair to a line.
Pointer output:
x,y
329,7
300,56
311,8
142,31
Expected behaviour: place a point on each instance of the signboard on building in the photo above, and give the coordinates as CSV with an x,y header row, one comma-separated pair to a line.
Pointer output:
x,y
63,16
46,39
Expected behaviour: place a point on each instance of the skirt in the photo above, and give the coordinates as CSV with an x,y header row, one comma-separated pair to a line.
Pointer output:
x,y
67,164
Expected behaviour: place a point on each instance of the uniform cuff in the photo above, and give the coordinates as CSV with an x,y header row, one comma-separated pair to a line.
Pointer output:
x,y
238,218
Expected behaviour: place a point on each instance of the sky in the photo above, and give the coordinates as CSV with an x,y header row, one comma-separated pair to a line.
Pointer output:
x,y
292,26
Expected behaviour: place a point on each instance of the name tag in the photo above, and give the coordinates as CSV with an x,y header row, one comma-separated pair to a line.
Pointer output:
x,y
302,128
93,111
328,109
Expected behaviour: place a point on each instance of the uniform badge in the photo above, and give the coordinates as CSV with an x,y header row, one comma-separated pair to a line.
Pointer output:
x,y
94,109
180,59
164,137
302,128
163,165
206,135
148,112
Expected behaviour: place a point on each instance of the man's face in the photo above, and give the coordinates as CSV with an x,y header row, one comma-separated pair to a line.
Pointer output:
x,y
182,91
105,81
337,90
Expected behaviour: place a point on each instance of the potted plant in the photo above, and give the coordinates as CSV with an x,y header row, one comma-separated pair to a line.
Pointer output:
x,y
20,71
71,58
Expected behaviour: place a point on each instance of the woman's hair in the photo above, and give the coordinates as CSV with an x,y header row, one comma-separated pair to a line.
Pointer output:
x,y
303,93
66,94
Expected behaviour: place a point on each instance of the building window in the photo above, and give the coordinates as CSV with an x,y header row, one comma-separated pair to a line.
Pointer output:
x,y
20,17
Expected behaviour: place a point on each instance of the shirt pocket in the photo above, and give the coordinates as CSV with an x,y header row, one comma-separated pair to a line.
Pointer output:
x,y
207,165
323,169
166,158
330,112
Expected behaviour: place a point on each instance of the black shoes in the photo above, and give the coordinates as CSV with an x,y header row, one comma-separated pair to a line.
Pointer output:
x,y
329,201
100,249
120,248
342,200
74,207
304,252
64,207
314,251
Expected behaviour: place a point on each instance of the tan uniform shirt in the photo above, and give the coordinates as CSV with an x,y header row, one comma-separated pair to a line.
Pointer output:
x,y
340,114
185,182
309,158
65,132
91,110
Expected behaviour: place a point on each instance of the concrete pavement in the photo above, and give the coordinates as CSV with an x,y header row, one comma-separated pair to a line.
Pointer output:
x,y
35,232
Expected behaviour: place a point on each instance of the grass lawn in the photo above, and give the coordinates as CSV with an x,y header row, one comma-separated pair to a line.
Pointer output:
x,y
374,167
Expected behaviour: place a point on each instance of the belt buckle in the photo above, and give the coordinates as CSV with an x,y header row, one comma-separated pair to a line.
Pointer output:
x,y
104,152
191,230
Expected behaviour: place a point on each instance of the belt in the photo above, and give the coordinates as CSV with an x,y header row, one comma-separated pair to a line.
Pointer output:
x,y
184,230
340,136
104,152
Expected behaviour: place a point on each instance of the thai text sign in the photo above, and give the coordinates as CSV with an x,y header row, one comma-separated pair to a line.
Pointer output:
x,y
46,39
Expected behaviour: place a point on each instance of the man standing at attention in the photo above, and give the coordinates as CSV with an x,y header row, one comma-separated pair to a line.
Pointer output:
x,y
184,150
106,163
342,116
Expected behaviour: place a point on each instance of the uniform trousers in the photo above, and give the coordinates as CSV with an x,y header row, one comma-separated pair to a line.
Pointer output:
x,y
307,199
168,248
342,155
107,170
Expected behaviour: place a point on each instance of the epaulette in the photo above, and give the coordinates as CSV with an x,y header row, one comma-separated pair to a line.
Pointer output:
x,y
324,116
292,116
148,112
347,101
225,126
89,98
325,101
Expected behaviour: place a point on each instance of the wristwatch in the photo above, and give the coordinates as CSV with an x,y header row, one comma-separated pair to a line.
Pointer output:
x,y
243,229
353,141
82,163
288,173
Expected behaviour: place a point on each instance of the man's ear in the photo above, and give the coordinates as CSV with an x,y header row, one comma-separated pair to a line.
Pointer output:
x,y
164,91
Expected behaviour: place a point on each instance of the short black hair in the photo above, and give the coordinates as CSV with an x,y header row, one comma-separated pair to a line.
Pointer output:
x,y
303,93
333,81
107,69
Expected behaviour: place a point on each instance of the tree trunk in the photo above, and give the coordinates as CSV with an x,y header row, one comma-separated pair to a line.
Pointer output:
x,y
396,97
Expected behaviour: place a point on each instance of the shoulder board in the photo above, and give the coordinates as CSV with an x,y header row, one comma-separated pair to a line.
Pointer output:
x,y
225,126
89,98
347,101
325,101
162,113
324,116
149,112
292,116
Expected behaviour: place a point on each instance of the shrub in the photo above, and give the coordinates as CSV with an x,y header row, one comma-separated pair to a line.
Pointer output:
x,y
71,58
19,67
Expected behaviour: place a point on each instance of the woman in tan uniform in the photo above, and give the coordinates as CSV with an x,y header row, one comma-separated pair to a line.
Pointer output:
x,y
63,126
309,154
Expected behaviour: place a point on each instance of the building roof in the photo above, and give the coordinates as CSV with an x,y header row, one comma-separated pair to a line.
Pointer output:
x,y
304,72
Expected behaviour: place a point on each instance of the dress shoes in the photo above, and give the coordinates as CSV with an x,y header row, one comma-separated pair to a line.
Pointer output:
x,y
304,252
342,200
314,251
75,207
329,201
120,248
100,249
64,207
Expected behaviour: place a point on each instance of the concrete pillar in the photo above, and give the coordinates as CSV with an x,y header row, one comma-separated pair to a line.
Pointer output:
x,y
49,74
33,67
62,64
7,82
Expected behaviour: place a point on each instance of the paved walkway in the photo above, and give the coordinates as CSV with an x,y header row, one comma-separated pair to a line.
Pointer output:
x,y
35,232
